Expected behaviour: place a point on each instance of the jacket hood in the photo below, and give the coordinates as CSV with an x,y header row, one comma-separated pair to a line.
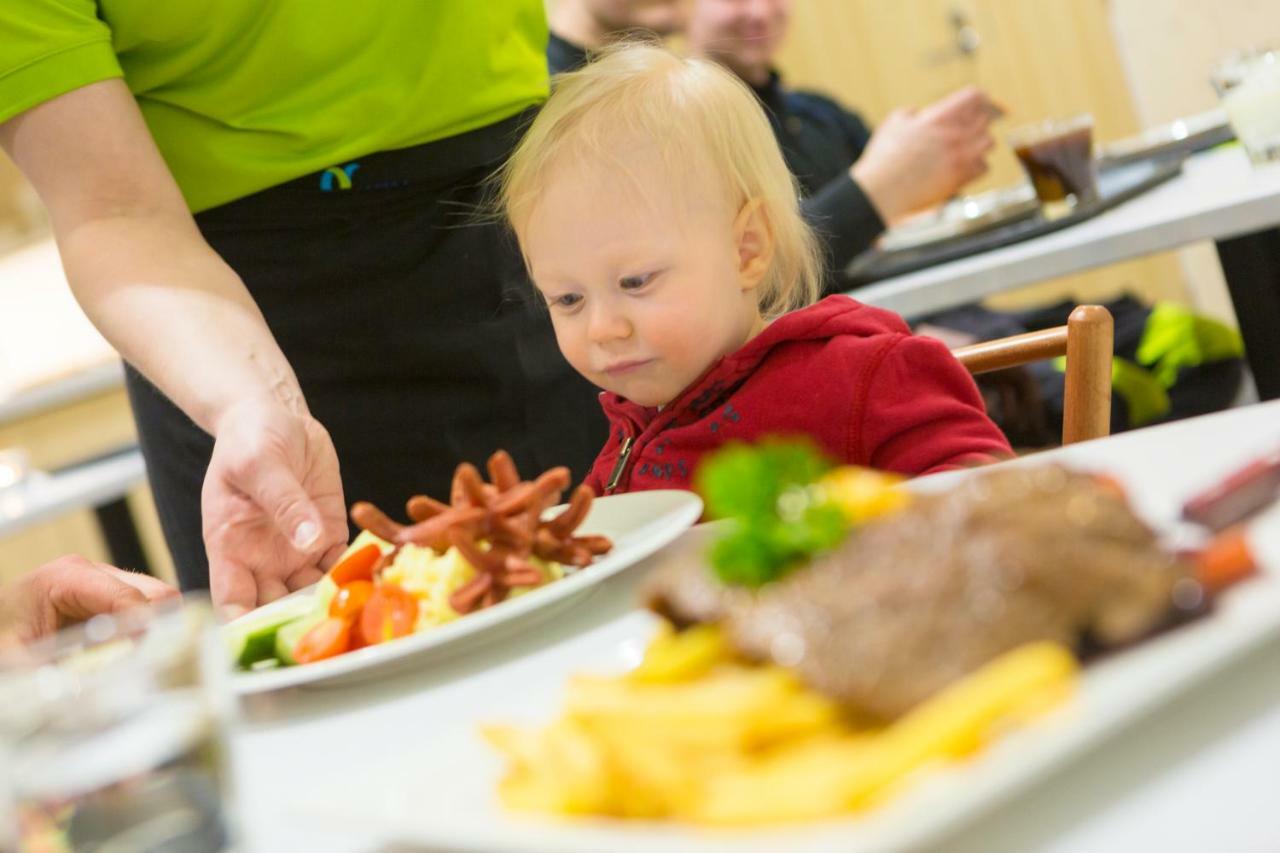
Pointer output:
x,y
833,316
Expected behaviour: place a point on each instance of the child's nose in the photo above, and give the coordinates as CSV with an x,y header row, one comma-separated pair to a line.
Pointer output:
x,y
608,324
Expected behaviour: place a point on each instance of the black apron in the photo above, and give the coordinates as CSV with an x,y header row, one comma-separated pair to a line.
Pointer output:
x,y
410,322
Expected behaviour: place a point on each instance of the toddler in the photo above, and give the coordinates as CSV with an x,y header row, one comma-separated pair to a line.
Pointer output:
x,y
663,229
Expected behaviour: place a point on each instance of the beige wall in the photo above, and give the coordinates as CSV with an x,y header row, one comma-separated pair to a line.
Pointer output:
x,y
1039,57
1167,48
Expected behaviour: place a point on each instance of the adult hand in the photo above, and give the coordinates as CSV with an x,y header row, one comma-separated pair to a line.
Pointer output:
x,y
71,589
918,158
274,516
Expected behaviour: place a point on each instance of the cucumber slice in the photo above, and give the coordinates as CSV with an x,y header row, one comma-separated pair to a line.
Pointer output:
x,y
288,635
253,637
326,589
259,645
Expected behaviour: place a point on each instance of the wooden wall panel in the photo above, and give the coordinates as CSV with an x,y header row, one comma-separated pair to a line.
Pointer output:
x,y
1040,58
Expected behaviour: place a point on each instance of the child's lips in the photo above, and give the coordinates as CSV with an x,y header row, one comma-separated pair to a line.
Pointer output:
x,y
621,368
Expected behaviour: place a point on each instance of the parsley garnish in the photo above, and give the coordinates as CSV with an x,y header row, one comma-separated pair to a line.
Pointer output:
x,y
780,519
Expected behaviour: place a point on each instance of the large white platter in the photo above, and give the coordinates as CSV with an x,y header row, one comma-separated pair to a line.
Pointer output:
x,y
436,791
638,523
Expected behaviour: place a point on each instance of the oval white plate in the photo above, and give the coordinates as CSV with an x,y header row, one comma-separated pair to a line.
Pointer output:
x,y
639,524
962,216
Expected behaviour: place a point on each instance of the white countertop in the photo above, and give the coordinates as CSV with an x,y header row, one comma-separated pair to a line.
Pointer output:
x,y
50,356
44,496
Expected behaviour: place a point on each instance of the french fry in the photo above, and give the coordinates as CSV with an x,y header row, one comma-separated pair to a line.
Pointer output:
x,y
733,707
799,781
949,725
742,745
945,722
681,656
961,717
650,778
561,769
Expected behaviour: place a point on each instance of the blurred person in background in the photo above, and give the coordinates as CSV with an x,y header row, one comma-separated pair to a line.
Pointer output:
x,y
855,181
580,26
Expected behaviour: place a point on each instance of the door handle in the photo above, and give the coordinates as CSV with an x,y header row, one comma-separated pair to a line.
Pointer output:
x,y
965,35
964,42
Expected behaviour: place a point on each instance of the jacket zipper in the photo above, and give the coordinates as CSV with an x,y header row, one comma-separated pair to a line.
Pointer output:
x,y
620,466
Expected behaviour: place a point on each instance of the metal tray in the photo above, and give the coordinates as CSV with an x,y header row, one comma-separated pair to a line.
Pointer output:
x,y
961,217
1116,184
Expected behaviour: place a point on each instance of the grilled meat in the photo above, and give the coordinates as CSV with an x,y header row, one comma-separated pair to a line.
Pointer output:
x,y
915,601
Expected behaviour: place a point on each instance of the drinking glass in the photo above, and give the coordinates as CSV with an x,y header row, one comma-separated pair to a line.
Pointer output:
x,y
112,736
1057,155
1249,85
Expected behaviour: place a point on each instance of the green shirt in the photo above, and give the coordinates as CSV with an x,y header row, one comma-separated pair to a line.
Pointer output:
x,y
241,95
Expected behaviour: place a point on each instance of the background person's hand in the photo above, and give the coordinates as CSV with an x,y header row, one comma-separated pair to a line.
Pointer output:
x,y
274,516
71,589
919,158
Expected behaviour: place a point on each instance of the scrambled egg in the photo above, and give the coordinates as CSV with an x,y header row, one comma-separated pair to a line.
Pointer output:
x,y
432,577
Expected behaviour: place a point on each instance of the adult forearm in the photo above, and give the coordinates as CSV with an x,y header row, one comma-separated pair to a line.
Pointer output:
x,y
177,312
135,259
847,223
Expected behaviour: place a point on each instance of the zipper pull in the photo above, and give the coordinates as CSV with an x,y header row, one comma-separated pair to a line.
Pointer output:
x,y
621,465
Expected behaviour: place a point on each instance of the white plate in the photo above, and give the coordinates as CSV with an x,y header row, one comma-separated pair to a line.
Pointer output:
x,y
444,799
1212,123
439,791
961,216
639,523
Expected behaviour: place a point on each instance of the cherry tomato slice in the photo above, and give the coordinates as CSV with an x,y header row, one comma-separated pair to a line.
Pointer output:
x,y
350,599
356,566
327,639
1110,485
1225,561
389,613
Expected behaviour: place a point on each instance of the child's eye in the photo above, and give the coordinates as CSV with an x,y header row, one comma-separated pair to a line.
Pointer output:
x,y
635,282
565,301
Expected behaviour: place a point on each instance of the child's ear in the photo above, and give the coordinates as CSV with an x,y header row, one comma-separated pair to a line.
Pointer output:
x,y
753,235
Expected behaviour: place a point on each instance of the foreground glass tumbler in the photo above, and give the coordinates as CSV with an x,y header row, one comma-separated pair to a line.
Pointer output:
x,y
112,736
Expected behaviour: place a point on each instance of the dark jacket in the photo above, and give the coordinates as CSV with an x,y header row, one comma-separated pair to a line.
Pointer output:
x,y
820,141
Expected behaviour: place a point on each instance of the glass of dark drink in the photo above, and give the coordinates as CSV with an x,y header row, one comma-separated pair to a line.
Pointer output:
x,y
112,736
1057,155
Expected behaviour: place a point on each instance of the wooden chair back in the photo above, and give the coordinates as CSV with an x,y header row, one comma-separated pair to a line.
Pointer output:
x,y
1087,341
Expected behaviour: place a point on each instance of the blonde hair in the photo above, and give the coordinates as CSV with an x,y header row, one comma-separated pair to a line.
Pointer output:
x,y
697,112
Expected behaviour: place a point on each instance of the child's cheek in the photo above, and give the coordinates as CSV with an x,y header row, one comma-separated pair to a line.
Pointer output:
x,y
572,342
677,337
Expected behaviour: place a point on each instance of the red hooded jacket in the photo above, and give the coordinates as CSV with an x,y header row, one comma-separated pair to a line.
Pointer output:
x,y
850,377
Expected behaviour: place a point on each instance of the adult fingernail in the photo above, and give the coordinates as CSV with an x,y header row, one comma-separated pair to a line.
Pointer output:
x,y
305,535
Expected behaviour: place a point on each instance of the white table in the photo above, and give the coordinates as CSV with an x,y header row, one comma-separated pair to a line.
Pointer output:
x,y
1219,196
1198,775
51,356
101,483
